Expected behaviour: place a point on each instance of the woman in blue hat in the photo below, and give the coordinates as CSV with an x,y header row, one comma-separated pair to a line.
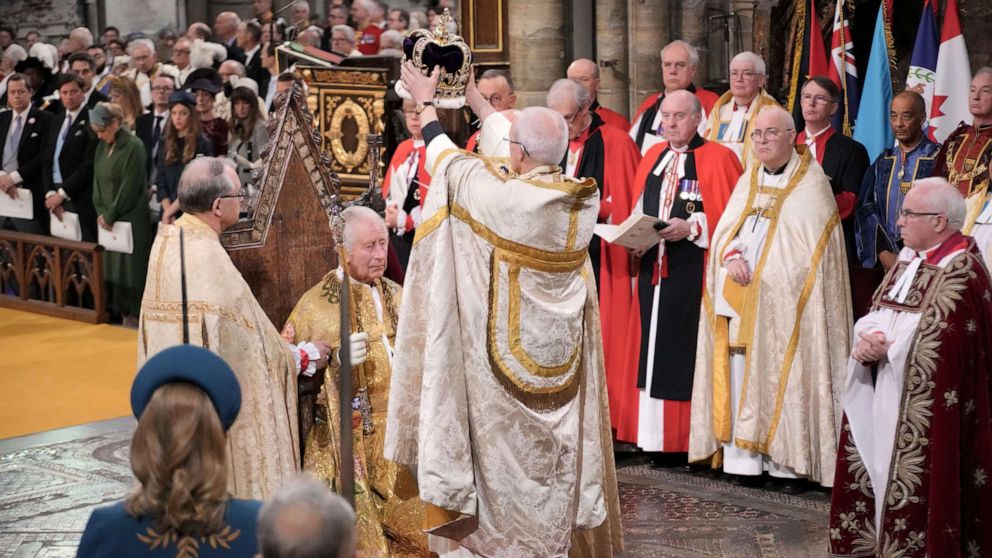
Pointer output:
x,y
185,399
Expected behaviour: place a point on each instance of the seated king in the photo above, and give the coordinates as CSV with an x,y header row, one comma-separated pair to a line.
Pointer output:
x,y
389,513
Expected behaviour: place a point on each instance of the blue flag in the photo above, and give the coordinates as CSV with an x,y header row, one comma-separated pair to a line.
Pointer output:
x,y
922,74
872,126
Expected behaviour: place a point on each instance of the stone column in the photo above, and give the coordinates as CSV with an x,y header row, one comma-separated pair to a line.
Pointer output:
x,y
648,28
611,55
537,48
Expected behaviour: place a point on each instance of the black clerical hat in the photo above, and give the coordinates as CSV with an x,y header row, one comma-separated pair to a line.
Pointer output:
x,y
194,365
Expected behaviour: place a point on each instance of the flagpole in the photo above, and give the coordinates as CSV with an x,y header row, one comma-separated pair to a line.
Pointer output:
x,y
843,66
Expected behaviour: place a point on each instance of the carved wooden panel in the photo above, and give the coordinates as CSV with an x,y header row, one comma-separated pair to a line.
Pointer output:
x,y
52,276
283,244
484,27
349,104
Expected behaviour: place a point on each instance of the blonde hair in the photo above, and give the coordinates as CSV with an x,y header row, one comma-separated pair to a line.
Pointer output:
x,y
131,99
178,456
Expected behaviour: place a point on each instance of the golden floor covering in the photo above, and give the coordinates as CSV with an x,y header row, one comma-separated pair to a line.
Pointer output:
x,y
56,373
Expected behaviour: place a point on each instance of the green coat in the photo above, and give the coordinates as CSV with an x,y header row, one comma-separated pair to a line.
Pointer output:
x,y
120,193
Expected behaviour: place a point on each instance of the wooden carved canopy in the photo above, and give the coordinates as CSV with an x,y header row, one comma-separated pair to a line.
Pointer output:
x,y
283,244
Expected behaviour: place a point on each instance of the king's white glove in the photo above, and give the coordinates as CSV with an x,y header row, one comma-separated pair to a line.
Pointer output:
x,y
359,349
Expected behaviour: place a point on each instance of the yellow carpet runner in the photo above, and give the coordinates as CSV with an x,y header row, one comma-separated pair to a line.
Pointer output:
x,y
56,373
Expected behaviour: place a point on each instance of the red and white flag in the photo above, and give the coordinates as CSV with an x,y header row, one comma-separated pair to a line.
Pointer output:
x,y
950,93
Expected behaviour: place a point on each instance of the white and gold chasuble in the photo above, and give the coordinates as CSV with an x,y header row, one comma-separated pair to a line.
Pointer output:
x,y
498,395
732,126
793,327
224,317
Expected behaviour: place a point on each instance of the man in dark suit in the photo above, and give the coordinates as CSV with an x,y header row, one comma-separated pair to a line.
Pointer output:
x,y
250,39
844,161
68,183
24,132
150,127
226,33
84,66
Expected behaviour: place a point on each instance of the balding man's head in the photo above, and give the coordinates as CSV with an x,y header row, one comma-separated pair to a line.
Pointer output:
x,y
539,137
680,117
678,65
306,520
226,24
81,38
571,100
496,86
907,113
931,212
980,96
208,188
773,137
230,68
586,72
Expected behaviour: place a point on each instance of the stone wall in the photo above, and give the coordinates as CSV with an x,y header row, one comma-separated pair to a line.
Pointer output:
x,y
52,18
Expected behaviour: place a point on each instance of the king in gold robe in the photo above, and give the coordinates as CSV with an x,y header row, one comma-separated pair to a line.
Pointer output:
x,y
263,444
390,516
772,355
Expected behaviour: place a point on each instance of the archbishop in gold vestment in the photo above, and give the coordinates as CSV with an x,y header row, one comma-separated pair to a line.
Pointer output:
x,y
793,328
390,515
498,397
263,444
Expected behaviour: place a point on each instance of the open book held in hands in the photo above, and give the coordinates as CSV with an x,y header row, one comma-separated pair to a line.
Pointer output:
x,y
638,232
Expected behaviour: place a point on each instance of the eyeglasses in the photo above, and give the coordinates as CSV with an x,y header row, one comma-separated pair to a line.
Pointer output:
x,y
770,134
907,213
242,195
165,88
493,100
816,99
743,74
522,146
574,117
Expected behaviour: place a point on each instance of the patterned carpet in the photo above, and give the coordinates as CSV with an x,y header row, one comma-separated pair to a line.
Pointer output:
x,y
48,490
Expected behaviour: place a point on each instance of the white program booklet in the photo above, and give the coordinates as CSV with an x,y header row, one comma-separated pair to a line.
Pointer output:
x,y
21,208
636,233
118,238
68,227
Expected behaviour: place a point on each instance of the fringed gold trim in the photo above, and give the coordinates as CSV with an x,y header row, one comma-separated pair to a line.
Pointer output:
x,y
538,399
534,258
889,42
797,58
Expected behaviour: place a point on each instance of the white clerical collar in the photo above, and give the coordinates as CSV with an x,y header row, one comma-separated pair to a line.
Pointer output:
x,y
682,149
900,290
418,143
775,172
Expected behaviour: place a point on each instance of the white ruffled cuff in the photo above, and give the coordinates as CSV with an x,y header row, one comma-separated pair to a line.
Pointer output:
x,y
314,355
